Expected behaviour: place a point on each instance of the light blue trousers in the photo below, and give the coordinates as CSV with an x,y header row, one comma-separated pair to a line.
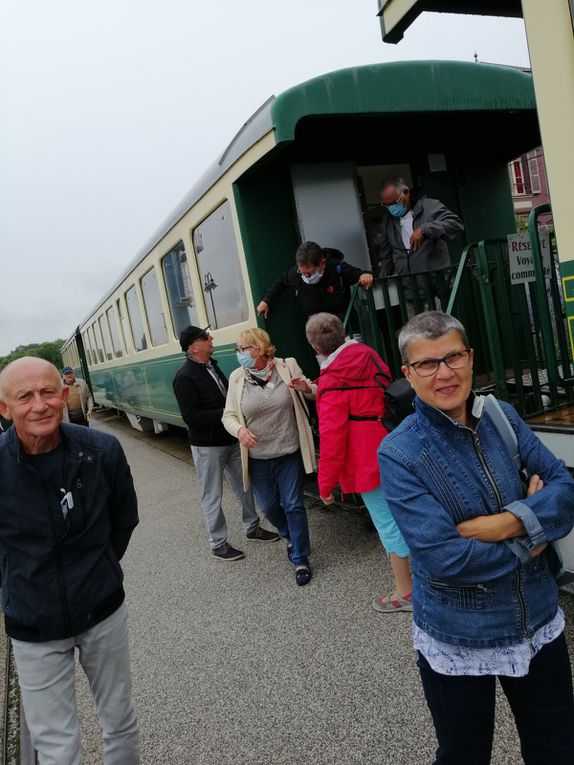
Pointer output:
x,y
389,533
46,672
211,464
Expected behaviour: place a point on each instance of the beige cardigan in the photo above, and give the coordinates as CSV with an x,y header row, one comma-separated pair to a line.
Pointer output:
x,y
233,418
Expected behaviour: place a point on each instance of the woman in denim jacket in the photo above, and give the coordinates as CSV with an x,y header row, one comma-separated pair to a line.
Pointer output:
x,y
485,603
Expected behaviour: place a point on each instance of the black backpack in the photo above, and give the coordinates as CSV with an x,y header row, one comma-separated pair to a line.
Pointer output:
x,y
399,398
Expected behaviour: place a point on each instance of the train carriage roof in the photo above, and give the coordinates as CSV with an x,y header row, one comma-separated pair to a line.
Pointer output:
x,y
390,88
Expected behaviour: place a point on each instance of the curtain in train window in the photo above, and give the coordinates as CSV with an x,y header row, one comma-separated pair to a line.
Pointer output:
x,y
179,291
154,308
219,269
136,322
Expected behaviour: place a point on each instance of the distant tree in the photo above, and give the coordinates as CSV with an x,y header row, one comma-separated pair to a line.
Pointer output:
x,y
49,350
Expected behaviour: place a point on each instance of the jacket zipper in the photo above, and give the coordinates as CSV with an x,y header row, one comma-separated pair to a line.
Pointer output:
x,y
458,587
517,574
59,540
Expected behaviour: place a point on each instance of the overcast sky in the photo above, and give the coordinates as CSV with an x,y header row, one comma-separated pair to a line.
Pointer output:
x,y
111,110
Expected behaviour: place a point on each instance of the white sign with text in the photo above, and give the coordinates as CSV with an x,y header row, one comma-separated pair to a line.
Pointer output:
x,y
520,258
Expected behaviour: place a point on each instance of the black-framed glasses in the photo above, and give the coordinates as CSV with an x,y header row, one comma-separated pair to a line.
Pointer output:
x,y
239,349
453,360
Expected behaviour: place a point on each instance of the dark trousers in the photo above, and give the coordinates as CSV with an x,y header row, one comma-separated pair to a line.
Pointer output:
x,y
542,703
77,418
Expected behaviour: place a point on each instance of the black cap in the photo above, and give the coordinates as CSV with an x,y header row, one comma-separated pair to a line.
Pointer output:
x,y
191,333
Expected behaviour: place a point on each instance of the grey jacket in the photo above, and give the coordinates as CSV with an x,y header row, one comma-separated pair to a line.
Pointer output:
x,y
438,224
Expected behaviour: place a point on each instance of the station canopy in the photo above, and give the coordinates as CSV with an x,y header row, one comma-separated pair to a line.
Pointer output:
x,y
398,15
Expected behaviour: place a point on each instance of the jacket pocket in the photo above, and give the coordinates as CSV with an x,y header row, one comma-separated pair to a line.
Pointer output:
x,y
471,597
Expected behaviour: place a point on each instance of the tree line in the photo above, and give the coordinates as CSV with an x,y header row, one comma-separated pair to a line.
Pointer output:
x,y
48,350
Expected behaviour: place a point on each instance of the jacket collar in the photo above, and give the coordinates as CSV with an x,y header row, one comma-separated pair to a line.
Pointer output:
x,y
68,442
442,420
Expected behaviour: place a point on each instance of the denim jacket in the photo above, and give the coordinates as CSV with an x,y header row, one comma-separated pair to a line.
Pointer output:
x,y
437,473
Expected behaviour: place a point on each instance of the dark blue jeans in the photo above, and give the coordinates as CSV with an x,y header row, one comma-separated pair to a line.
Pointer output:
x,y
278,487
542,703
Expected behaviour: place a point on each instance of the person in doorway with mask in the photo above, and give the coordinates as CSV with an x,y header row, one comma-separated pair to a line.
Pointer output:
x,y
271,421
321,278
414,236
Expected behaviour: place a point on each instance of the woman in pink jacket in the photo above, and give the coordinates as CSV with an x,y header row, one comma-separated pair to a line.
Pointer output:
x,y
350,405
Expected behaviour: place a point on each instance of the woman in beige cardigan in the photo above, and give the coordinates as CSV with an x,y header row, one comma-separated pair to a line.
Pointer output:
x,y
270,420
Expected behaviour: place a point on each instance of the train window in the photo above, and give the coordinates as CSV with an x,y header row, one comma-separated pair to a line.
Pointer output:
x,y
154,308
87,349
179,291
92,346
219,269
98,338
136,321
113,322
121,318
105,332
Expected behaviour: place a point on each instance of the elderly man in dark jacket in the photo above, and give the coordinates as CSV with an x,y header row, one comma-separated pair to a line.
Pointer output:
x,y
67,512
414,238
200,388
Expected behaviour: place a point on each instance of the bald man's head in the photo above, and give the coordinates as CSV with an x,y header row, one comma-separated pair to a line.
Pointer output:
x,y
33,397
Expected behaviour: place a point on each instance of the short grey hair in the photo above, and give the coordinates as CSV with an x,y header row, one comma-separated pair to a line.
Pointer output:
x,y
396,182
429,325
325,332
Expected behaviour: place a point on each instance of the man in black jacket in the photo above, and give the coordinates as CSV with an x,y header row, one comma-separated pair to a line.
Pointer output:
x,y
67,512
200,388
321,278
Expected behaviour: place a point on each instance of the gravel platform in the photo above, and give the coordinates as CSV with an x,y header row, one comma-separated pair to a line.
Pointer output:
x,y
235,664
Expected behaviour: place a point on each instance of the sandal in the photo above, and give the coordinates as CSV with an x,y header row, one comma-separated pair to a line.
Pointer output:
x,y
303,575
393,602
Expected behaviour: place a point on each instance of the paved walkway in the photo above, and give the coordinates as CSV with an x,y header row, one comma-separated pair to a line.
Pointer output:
x,y
235,665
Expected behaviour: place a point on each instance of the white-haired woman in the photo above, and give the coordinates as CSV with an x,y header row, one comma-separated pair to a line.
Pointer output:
x,y
270,420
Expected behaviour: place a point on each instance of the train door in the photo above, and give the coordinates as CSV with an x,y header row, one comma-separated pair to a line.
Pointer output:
x,y
329,209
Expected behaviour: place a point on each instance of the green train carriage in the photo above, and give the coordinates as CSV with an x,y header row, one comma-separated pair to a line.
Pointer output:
x,y
306,166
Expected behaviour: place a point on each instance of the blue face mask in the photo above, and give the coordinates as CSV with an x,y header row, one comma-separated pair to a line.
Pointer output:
x,y
245,359
398,209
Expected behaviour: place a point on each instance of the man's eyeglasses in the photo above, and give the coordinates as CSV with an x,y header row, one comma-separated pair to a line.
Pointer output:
x,y
453,360
239,349
396,202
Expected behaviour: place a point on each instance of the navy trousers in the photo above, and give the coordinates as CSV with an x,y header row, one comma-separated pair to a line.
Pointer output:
x,y
542,703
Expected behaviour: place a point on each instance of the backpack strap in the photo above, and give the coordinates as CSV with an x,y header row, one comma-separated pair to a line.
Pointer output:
x,y
504,428
381,373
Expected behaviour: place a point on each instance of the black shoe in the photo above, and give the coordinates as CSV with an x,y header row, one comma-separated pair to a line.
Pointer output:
x,y
290,552
262,535
227,552
303,575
